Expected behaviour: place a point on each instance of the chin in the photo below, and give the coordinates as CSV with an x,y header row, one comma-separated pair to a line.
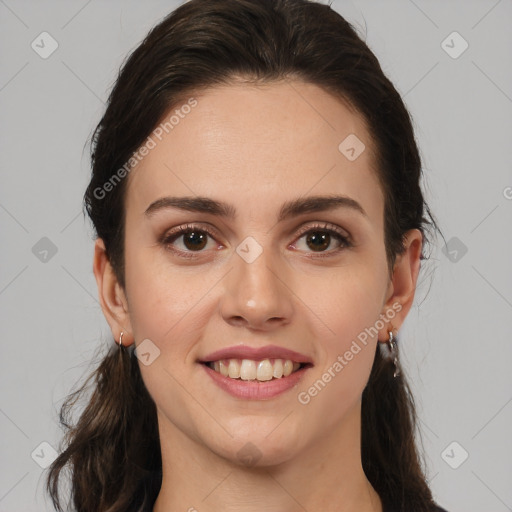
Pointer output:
x,y
258,451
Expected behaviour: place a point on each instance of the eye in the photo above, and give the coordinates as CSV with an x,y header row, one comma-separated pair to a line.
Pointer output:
x,y
195,239
320,237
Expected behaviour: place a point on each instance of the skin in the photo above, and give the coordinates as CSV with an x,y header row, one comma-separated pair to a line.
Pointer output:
x,y
256,147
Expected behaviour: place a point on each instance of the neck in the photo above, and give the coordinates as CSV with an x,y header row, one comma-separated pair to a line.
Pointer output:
x,y
327,476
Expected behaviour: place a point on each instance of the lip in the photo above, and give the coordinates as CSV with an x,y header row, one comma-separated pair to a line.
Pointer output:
x,y
256,354
255,390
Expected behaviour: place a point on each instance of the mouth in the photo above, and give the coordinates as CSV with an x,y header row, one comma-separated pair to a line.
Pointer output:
x,y
248,379
256,373
262,370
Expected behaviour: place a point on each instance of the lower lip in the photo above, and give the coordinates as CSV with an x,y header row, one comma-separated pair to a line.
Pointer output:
x,y
253,389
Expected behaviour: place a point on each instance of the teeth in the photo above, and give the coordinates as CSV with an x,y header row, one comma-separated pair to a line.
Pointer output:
x,y
278,368
233,369
247,369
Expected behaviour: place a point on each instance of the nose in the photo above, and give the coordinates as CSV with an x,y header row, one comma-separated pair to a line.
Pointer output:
x,y
256,294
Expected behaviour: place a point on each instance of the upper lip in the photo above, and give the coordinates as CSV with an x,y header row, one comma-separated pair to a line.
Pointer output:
x,y
256,354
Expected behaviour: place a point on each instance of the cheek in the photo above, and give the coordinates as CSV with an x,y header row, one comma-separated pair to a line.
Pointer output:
x,y
158,299
349,309
169,305
347,352
347,303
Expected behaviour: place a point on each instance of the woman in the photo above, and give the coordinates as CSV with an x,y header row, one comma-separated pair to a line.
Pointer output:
x,y
260,225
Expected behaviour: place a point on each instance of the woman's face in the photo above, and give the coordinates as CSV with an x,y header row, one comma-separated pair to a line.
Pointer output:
x,y
256,277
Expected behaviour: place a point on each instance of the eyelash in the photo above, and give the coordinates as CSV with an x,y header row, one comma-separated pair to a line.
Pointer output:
x,y
188,228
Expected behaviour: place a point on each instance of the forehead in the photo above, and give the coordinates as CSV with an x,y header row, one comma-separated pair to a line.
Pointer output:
x,y
258,146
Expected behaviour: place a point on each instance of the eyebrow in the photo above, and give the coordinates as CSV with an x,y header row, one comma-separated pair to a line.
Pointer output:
x,y
289,209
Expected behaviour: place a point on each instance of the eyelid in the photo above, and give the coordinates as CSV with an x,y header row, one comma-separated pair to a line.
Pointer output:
x,y
191,226
327,226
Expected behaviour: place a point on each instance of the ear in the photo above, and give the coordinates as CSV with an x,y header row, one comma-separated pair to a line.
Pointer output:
x,y
402,286
112,296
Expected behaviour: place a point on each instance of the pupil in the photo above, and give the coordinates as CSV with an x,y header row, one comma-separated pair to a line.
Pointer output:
x,y
195,238
319,242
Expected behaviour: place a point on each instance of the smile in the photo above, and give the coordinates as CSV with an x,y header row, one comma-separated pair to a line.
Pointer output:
x,y
249,369
255,389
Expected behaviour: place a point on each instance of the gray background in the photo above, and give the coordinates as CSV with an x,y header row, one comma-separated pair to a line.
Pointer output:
x,y
456,343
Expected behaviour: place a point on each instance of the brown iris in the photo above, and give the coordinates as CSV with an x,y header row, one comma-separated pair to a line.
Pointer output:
x,y
196,239
319,240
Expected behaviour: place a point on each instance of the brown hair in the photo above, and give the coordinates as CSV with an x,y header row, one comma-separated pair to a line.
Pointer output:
x,y
113,450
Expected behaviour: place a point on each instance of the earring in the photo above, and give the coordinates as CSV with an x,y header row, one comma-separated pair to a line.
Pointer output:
x,y
121,339
391,352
